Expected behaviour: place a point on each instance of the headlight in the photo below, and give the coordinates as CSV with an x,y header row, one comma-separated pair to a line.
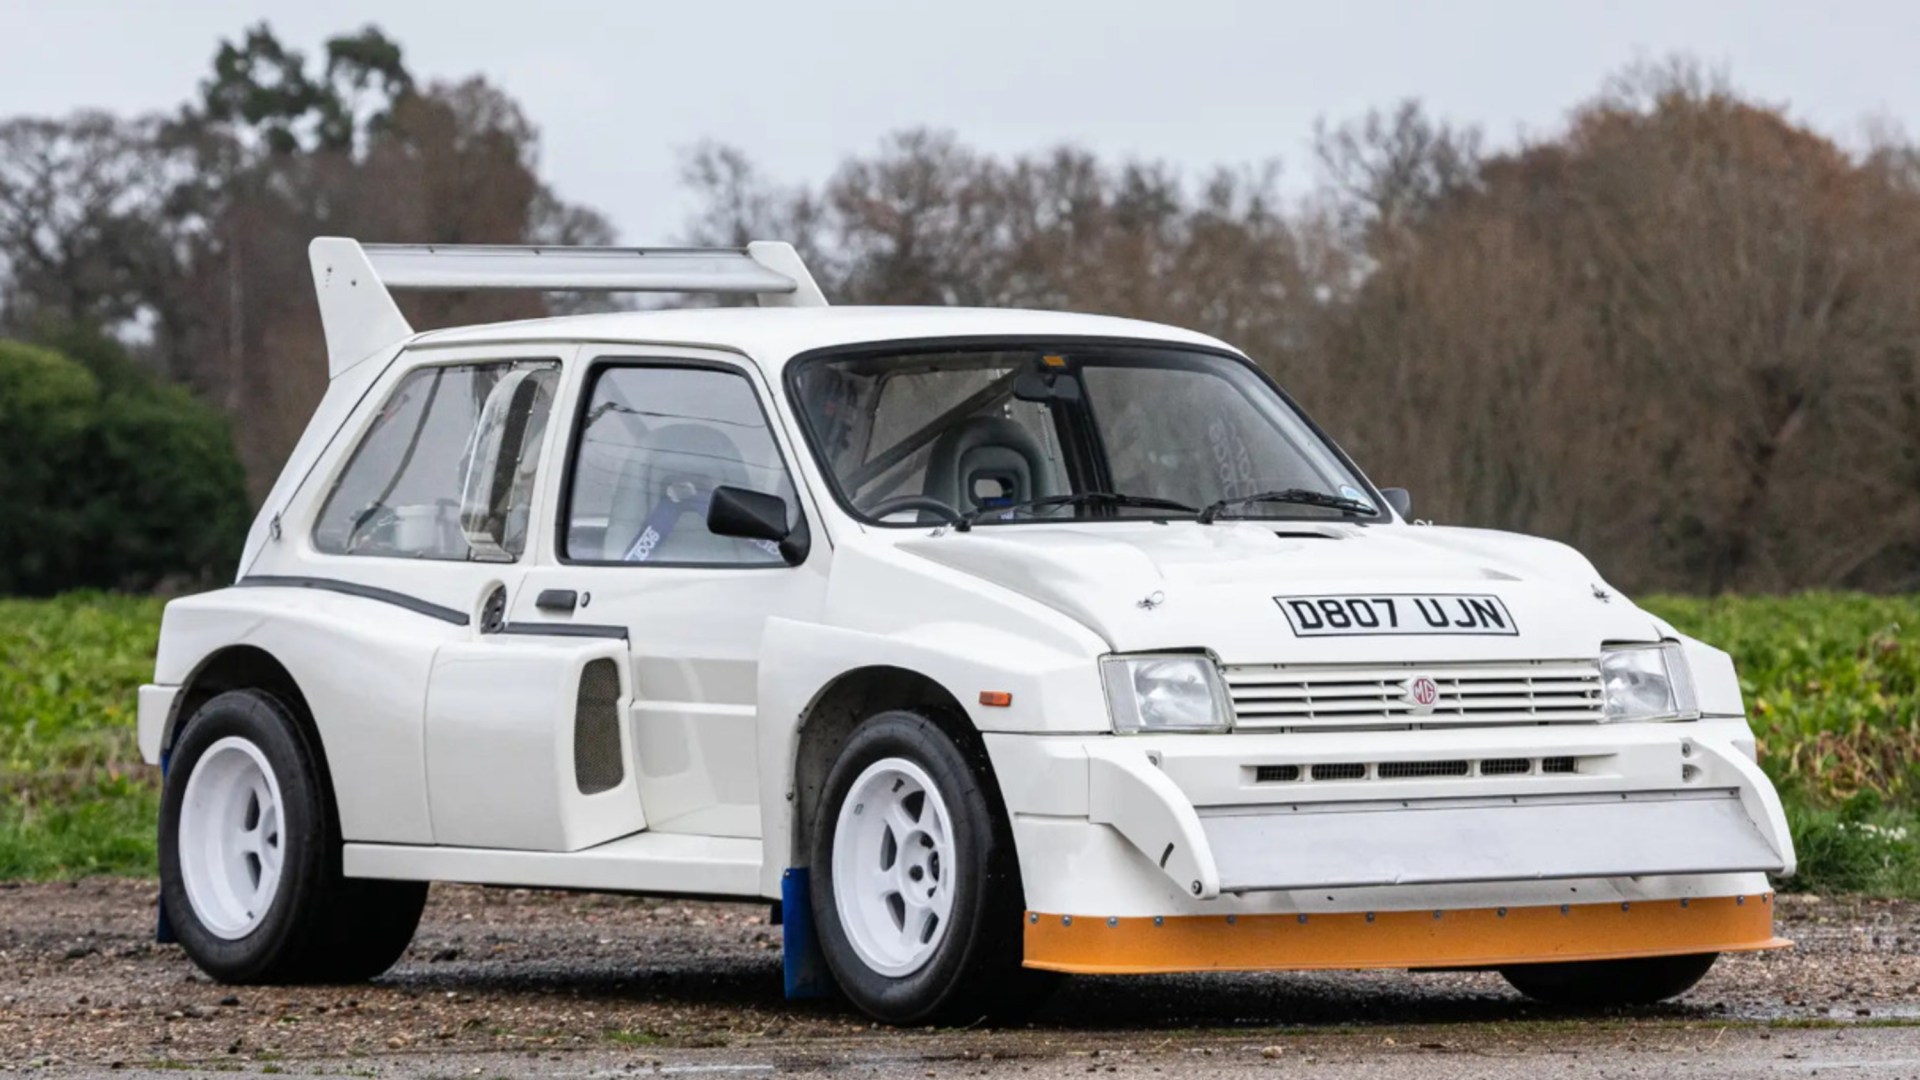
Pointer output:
x,y
1165,693
1646,682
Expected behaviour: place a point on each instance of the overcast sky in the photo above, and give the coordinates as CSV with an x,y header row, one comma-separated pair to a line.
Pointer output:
x,y
618,89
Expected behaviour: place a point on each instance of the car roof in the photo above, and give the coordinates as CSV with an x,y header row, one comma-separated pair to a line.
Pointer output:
x,y
773,335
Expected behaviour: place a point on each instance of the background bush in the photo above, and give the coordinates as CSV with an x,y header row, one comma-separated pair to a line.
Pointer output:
x,y
109,477
1829,679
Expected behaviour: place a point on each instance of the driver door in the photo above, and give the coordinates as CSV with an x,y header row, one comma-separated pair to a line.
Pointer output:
x,y
652,436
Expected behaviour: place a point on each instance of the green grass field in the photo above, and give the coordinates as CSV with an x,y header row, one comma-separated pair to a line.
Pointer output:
x,y
1832,682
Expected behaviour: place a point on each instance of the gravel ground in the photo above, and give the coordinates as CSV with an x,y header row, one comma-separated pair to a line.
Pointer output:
x,y
512,982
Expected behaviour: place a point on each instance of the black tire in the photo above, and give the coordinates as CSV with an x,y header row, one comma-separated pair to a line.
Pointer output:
x,y
1600,983
975,971
320,926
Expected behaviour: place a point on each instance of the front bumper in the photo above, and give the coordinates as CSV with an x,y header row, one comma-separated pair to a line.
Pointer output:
x,y
1643,840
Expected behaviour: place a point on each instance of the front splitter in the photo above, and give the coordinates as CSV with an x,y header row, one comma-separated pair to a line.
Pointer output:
x,y
1473,937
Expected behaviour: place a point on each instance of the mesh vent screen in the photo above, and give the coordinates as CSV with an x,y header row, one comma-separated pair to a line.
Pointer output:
x,y
1410,770
1343,771
1557,765
1276,774
1506,766
596,729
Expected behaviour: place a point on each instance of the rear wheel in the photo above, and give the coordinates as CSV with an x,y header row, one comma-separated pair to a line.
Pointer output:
x,y
1594,983
915,884
250,856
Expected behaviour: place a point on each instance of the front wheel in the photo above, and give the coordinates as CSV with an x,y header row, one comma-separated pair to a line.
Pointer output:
x,y
915,884
250,856
1598,983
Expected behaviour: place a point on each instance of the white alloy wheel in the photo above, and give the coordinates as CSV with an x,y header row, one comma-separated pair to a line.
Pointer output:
x,y
893,867
232,832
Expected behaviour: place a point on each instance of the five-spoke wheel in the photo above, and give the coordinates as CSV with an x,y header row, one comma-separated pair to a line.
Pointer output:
x,y
231,830
250,855
915,886
892,856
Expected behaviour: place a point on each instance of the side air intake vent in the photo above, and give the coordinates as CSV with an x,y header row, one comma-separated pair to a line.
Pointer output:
x,y
596,729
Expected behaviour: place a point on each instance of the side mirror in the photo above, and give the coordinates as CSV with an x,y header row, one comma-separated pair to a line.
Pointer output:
x,y
1401,500
756,515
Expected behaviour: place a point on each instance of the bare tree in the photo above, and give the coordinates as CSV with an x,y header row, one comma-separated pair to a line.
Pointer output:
x,y
83,235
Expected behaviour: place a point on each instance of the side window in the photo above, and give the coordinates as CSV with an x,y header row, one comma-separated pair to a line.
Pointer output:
x,y
654,443
446,471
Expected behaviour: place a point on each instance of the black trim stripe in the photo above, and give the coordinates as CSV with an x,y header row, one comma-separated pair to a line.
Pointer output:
x,y
543,629
365,592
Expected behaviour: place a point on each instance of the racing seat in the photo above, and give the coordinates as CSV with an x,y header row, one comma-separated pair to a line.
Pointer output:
x,y
666,483
987,460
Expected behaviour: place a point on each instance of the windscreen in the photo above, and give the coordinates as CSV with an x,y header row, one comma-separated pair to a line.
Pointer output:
x,y
987,433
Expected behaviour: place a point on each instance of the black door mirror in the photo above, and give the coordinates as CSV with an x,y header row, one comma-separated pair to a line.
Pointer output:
x,y
1401,500
756,515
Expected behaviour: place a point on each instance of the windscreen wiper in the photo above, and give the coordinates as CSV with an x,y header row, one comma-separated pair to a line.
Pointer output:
x,y
1296,496
1078,498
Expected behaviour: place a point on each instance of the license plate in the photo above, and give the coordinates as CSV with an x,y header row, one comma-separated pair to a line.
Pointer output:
x,y
1396,613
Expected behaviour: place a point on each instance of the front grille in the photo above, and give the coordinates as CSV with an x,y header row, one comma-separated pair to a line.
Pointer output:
x,y
1418,770
1337,697
1449,769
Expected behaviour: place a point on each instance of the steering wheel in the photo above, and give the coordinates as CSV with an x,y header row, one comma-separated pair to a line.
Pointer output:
x,y
915,502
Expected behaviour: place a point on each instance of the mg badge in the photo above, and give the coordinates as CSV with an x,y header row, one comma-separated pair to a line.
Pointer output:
x,y
1421,694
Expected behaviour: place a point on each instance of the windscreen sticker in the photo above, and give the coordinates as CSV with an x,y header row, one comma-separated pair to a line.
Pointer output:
x,y
1396,613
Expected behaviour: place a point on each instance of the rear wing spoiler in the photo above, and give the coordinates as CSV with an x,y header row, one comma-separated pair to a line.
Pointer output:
x,y
360,317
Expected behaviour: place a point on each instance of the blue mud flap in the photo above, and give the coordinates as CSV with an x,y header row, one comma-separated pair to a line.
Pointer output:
x,y
163,927
806,966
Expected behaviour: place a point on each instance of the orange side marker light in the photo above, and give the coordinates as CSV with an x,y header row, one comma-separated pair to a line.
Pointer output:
x,y
998,699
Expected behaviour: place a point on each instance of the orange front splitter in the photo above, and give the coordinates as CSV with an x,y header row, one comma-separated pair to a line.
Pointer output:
x,y
1474,937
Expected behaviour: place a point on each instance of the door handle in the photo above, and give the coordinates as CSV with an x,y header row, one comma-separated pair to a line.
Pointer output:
x,y
557,600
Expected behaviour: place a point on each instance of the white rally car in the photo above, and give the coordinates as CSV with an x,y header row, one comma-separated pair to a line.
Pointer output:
x,y
987,644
